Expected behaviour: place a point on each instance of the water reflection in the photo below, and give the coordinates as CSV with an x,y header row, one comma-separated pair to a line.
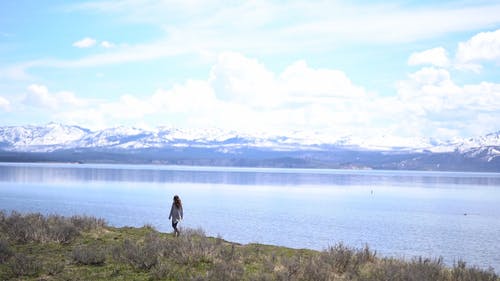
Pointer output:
x,y
398,213
240,176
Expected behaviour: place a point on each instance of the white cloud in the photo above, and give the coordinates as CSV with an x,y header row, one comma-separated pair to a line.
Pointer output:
x,y
122,54
210,27
243,94
396,23
128,107
473,67
431,76
4,104
236,78
91,118
484,46
427,90
439,105
18,71
320,21
252,27
40,97
436,56
194,96
300,80
86,42
107,44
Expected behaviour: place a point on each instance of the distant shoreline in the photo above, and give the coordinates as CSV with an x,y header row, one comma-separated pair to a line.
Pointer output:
x,y
234,168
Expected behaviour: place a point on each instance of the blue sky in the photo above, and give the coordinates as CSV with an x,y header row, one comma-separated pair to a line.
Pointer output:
x,y
364,68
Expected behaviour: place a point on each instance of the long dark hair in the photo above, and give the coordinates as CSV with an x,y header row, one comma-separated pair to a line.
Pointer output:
x,y
177,201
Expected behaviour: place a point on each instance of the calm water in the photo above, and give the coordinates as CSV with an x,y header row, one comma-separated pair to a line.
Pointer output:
x,y
402,214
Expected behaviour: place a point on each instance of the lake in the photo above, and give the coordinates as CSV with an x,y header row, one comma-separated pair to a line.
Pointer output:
x,y
397,213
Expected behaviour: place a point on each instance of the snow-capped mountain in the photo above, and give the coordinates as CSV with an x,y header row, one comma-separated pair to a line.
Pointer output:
x,y
57,136
52,135
212,143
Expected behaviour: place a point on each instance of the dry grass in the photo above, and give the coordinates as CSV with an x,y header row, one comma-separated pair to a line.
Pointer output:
x,y
5,251
43,229
76,248
88,255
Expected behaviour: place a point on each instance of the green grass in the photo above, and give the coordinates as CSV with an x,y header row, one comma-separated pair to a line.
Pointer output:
x,y
85,248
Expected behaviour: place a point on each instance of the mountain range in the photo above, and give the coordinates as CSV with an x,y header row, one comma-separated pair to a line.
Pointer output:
x,y
166,145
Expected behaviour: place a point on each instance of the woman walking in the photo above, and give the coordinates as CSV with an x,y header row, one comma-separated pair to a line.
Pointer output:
x,y
176,214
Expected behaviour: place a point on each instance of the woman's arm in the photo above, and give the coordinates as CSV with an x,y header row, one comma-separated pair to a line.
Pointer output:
x,y
171,211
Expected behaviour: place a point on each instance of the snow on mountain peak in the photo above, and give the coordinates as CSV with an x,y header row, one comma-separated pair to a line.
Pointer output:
x,y
55,136
24,137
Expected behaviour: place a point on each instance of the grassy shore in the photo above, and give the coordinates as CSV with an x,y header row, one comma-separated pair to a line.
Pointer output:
x,y
37,247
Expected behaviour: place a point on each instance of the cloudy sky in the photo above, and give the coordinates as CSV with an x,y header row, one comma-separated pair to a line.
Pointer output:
x,y
364,68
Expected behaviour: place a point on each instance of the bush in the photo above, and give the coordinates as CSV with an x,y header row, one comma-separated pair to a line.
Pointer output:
x,y
314,269
366,255
291,268
61,230
88,255
417,269
86,223
5,251
193,256
232,271
54,268
141,256
168,271
159,271
424,269
22,265
192,247
19,228
461,272
37,228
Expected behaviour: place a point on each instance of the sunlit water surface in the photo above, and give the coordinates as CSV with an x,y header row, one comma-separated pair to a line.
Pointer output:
x,y
397,213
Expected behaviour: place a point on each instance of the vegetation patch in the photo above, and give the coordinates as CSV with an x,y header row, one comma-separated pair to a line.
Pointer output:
x,y
5,251
37,247
88,255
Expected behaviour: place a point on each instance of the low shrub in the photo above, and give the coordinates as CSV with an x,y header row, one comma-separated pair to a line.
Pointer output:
x,y
461,272
193,256
88,255
61,231
142,256
5,251
192,247
340,257
365,255
87,223
291,268
23,265
169,271
35,227
314,269
160,271
417,269
424,269
54,268
232,271
19,228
